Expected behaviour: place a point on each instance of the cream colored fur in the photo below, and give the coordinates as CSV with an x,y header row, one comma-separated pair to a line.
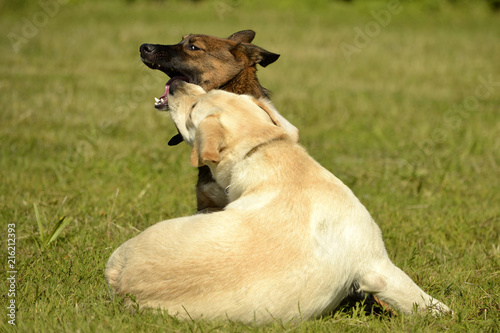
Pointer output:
x,y
289,246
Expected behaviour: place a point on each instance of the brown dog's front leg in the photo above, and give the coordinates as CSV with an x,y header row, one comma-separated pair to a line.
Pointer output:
x,y
209,195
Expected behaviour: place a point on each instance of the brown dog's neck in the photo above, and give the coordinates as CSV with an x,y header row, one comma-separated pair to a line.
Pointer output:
x,y
246,83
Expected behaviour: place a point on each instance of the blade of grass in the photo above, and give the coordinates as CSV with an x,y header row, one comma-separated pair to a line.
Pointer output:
x,y
39,223
58,228
59,209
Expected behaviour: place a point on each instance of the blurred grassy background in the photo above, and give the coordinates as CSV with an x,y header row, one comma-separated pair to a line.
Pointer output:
x,y
409,120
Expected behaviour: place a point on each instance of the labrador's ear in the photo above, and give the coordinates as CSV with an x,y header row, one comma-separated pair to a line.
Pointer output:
x,y
208,142
271,112
278,119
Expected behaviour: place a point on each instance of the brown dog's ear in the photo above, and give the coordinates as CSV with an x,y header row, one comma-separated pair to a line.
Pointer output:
x,y
267,57
255,54
244,36
208,142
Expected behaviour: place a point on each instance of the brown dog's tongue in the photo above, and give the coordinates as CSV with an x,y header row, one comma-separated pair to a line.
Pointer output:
x,y
176,139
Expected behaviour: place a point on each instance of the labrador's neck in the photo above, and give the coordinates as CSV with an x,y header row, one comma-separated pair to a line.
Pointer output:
x,y
267,168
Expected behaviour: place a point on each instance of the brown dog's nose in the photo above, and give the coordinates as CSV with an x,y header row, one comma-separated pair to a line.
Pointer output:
x,y
147,48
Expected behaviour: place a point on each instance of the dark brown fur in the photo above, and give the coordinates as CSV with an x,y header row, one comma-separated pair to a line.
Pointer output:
x,y
212,63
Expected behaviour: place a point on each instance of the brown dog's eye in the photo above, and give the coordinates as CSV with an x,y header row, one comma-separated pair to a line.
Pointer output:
x,y
193,47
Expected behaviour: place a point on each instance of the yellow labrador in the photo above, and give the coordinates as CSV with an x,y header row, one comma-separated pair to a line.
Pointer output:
x,y
290,244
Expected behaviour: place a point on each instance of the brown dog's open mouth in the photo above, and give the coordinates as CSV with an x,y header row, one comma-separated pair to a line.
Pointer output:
x,y
162,102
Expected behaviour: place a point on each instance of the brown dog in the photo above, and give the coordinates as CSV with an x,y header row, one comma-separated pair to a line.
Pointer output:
x,y
212,63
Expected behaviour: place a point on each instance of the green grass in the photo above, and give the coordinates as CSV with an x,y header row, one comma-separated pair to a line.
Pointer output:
x,y
80,139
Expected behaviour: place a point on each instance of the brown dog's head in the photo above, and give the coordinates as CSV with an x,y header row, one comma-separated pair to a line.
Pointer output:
x,y
208,61
222,127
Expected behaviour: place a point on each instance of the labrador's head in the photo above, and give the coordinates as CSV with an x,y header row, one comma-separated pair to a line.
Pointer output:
x,y
223,127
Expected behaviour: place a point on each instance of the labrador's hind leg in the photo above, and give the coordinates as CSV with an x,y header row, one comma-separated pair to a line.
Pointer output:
x,y
391,285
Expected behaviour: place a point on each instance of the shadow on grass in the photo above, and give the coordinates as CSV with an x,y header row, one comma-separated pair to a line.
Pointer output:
x,y
361,304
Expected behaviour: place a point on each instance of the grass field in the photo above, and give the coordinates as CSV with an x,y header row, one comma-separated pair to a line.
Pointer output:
x,y
400,102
